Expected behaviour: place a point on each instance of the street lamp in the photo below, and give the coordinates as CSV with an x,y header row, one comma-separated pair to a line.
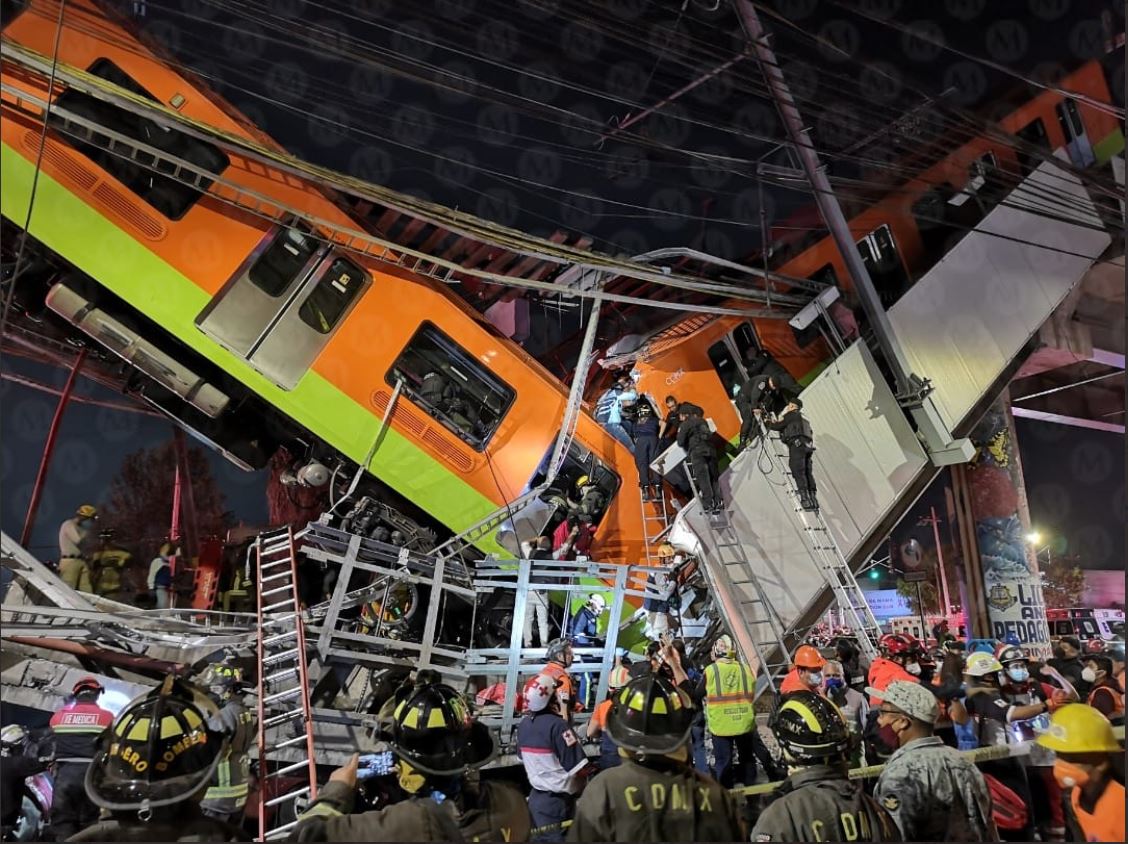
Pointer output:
x,y
1034,537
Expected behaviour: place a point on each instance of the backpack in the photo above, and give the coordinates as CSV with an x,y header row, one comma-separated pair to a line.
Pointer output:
x,y
1007,808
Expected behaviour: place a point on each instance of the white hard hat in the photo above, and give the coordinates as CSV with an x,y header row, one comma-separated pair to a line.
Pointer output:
x,y
538,693
723,646
598,603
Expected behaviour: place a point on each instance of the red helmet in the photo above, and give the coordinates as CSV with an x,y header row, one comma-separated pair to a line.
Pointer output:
x,y
87,684
894,644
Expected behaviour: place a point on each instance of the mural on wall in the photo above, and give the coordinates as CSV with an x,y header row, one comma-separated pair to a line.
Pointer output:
x,y
1011,580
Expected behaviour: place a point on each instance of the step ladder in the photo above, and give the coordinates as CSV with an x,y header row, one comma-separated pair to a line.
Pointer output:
x,y
655,521
285,717
833,565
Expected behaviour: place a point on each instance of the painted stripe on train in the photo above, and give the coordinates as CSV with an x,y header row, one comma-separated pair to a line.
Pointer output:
x,y
95,245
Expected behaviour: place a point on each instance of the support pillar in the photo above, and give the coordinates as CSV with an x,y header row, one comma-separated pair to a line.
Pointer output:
x,y
1008,583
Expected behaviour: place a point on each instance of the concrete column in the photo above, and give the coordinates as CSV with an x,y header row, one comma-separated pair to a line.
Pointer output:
x,y
1011,583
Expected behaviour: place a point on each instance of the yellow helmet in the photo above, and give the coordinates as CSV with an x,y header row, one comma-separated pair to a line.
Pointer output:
x,y
980,664
666,550
581,480
1079,728
87,511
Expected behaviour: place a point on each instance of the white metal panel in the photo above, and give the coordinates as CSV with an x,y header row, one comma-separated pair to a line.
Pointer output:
x,y
972,313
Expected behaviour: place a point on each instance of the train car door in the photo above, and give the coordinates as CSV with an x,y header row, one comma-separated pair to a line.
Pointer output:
x,y
728,355
1077,142
282,306
883,260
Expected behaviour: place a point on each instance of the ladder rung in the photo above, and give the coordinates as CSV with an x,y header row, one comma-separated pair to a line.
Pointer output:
x,y
280,696
284,588
275,607
273,577
273,659
278,675
290,742
275,720
278,832
275,801
270,641
289,769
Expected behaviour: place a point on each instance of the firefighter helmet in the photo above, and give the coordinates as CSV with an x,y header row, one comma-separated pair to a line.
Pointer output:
x,y
810,729
894,644
87,684
160,750
1010,653
87,511
650,715
434,732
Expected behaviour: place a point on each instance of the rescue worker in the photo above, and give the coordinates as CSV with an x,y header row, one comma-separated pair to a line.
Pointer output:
x,y
226,797
1105,694
806,673
1067,661
769,387
669,433
597,726
933,792
106,566
153,767
795,432
592,502
160,576
76,542
657,606
560,659
729,689
696,440
817,802
899,661
655,794
16,765
643,429
583,630
438,745
76,728
609,409
1089,762
555,763
992,715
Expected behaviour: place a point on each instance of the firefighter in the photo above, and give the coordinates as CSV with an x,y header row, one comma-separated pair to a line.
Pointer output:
x,y
817,802
696,440
806,675
899,660
654,795
153,767
1087,765
76,728
76,540
106,566
160,576
643,429
729,687
554,760
438,745
795,432
226,797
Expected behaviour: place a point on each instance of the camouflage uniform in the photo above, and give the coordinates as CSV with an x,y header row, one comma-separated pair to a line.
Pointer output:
x,y
659,800
936,794
819,804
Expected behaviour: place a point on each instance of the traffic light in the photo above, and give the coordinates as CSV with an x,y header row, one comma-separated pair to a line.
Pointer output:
x,y
875,574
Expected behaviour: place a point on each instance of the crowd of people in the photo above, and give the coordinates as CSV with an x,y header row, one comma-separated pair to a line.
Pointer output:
x,y
173,764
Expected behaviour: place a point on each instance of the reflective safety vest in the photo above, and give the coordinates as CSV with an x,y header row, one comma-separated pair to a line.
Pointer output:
x,y
729,688
230,782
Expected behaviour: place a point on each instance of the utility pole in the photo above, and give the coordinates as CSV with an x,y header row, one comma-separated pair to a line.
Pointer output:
x,y
934,520
912,391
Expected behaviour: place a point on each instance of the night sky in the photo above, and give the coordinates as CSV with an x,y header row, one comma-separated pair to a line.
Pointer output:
x,y
374,107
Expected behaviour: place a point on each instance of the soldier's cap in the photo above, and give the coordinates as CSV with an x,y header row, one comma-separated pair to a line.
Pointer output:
x,y
911,698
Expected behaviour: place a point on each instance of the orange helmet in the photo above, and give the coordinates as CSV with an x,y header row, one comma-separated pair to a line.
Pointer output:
x,y
809,658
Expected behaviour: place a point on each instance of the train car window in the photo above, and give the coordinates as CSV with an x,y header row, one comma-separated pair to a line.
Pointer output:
x,y
331,297
883,260
1034,133
1063,628
10,10
744,336
578,462
1086,627
450,384
724,362
169,196
275,268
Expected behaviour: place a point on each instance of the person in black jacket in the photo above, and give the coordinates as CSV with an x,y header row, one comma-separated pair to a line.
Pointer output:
x,y
795,431
696,439
644,431
769,387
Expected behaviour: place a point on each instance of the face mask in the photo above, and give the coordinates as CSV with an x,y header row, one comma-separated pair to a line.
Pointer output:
x,y
1089,675
1069,775
1019,675
814,678
913,668
834,683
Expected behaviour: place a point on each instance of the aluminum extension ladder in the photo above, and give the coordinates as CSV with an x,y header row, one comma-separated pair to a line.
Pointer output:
x,y
655,514
834,567
285,717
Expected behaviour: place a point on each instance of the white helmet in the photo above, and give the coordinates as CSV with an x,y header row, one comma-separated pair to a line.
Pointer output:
x,y
597,603
723,646
12,737
539,693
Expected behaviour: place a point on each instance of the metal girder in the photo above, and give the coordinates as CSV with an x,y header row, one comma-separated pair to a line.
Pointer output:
x,y
1060,419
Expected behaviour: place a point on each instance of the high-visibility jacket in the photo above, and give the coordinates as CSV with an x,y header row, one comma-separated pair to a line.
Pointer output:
x,y
77,728
566,688
792,682
729,691
885,671
230,782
